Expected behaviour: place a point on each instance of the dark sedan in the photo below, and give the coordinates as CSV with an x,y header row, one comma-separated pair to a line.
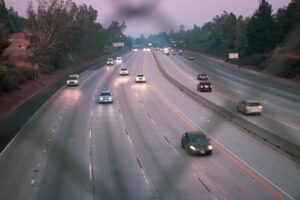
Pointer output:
x,y
202,77
196,143
204,86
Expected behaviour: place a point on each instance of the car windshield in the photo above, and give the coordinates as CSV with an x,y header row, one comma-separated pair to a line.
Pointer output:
x,y
198,139
72,78
105,94
253,104
140,75
124,69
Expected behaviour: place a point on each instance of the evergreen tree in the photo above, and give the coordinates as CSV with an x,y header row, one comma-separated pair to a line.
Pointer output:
x,y
262,32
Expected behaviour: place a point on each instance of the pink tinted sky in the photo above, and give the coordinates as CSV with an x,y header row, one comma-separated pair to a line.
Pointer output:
x,y
187,12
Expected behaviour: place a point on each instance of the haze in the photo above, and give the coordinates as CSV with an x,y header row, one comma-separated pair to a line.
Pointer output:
x,y
173,12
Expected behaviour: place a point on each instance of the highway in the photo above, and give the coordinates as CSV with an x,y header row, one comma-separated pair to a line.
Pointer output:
x,y
280,101
75,148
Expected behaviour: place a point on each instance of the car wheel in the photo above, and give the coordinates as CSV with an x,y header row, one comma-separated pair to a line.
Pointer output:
x,y
182,146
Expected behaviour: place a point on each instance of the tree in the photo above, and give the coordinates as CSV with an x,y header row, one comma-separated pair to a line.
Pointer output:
x,y
262,31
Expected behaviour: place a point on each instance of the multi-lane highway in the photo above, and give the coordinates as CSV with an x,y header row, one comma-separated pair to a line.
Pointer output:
x,y
75,148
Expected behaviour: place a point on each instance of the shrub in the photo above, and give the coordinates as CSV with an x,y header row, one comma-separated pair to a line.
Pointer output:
x,y
9,83
27,73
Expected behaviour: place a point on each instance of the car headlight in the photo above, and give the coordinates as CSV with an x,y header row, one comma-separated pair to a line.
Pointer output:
x,y
201,86
101,98
193,148
210,147
110,98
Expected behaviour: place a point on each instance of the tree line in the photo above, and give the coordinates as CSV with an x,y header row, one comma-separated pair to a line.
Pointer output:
x,y
60,32
254,37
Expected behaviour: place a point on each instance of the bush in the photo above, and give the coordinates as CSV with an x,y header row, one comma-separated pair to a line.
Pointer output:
x,y
27,73
17,73
290,70
253,60
9,83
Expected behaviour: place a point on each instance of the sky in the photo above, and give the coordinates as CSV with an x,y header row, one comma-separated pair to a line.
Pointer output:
x,y
163,15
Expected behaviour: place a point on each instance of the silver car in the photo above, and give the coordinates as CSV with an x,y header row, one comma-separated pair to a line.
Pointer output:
x,y
249,106
105,97
123,71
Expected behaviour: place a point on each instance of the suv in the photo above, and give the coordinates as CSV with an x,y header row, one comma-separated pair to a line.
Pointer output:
x,y
73,80
196,143
204,86
110,61
140,78
202,77
249,106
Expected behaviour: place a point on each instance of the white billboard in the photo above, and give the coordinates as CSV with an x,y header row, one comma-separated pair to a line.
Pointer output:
x,y
118,44
233,55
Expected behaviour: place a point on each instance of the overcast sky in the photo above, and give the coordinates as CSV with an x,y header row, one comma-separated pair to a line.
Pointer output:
x,y
164,13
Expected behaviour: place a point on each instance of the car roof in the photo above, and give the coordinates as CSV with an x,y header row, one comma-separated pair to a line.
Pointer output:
x,y
251,100
74,75
124,68
140,74
105,91
204,82
195,133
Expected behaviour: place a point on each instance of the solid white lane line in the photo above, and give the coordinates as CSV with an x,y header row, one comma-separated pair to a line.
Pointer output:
x,y
143,173
32,182
128,137
90,170
152,120
175,150
90,134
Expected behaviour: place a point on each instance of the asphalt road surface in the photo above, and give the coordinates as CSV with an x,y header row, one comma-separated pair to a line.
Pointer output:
x,y
75,148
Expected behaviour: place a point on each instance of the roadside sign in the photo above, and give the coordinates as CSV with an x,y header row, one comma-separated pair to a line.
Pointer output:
x,y
233,55
118,44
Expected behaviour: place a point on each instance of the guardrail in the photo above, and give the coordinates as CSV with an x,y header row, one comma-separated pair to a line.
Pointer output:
x,y
278,142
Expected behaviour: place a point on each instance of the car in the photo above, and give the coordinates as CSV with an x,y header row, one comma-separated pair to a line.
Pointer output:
x,y
123,71
173,53
110,61
196,142
140,78
204,86
119,60
249,106
105,97
180,52
191,58
203,77
73,80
